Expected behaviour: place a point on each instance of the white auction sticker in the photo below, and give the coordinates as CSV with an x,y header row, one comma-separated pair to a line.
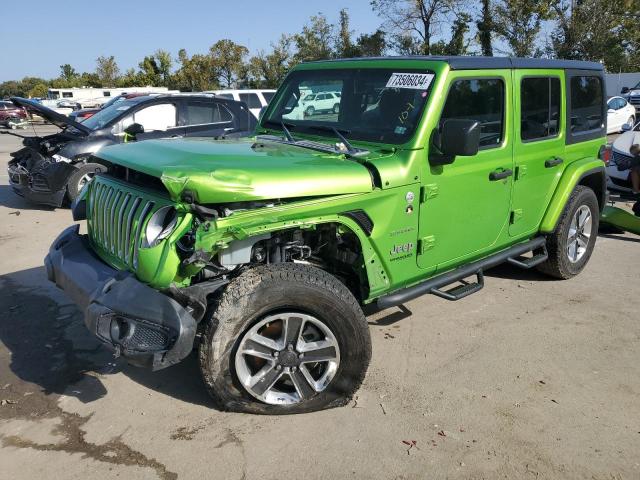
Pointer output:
x,y
418,81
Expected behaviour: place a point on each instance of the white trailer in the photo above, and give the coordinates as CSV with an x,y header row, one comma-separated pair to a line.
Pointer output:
x,y
89,97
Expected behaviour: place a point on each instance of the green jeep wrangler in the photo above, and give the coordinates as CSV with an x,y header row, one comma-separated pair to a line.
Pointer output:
x,y
261,252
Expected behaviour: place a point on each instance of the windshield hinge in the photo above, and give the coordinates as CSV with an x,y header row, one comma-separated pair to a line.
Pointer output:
x,y
428,191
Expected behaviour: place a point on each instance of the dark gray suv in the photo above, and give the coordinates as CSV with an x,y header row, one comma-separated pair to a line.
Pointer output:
x,y
52,169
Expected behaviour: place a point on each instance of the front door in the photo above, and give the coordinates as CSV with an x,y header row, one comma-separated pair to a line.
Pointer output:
x,y
538,146
464,206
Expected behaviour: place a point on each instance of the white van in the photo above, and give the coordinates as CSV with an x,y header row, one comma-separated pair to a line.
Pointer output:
x,y
255,99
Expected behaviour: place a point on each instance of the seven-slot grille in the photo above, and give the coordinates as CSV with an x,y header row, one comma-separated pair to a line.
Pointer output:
x,y
634,100
116,218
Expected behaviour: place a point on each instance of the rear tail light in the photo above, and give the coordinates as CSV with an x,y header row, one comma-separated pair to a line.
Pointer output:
x,y
605,154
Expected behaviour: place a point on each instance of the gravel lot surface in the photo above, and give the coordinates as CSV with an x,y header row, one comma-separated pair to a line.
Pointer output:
x,y
530,378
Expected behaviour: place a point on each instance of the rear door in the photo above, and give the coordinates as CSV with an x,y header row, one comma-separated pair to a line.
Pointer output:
x,y
206,119
538,147
464,208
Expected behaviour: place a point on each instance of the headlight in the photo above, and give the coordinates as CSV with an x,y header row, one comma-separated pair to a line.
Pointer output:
x,y
160,226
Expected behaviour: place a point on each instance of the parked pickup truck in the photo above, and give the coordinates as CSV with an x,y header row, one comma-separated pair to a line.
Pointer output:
x,y
261,252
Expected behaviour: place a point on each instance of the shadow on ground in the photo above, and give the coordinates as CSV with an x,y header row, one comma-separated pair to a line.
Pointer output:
x,y
11,200
46,344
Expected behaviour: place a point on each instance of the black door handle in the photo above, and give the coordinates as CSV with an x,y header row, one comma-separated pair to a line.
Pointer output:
x,y
552,162
500,174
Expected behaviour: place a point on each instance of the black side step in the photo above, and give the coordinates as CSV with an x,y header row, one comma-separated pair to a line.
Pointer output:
x,y
475,268
539,256
463,290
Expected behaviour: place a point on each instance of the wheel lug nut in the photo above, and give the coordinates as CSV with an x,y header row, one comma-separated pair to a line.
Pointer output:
x,y
301,355
275,354
290,347
278,367
293,369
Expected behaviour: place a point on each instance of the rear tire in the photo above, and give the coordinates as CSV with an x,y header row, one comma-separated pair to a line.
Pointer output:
x,y
310,111
268,293
571,244
336,108
79,178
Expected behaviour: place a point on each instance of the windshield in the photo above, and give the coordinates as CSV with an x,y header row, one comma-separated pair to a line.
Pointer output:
x,y
102,117
377,105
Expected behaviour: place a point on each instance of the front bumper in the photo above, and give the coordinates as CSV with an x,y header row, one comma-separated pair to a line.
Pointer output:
x,y
145,326
36,190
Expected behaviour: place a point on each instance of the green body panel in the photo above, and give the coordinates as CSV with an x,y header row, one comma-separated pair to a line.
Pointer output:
x,y
426,219
465,197
534,183
621,219
571,176
233,171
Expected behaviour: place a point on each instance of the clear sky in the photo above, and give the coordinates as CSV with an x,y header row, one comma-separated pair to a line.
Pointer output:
x,y
37,36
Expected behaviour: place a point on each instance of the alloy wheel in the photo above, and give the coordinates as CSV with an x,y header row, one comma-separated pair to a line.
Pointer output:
x,y
580,231
287,358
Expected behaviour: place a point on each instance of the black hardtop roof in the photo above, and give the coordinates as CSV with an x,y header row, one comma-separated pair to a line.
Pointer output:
x,y
482,63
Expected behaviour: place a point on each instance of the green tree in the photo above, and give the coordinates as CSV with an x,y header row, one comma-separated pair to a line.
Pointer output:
x,y
39,90
107,71
196,73
485,27
227,59
518,23
597,30
315,41
372,45
149,73
413,23
267,70
457,45
68,73
164,64
345,47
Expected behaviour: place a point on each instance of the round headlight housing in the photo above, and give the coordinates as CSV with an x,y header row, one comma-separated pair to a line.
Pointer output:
x,y
160,226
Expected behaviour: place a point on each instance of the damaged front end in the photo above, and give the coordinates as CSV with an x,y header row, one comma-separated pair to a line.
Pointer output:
x,y
38,173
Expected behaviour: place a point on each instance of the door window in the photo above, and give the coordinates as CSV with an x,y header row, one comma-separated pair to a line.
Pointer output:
x,y
205,113
482,100
586,103
540,108
156,117
251,99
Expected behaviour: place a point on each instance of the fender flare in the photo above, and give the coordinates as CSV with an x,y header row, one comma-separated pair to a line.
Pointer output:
x,y
575,174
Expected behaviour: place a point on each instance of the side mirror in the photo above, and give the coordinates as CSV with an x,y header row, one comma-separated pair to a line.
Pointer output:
x,y
456,137
134,129
626,127
624,90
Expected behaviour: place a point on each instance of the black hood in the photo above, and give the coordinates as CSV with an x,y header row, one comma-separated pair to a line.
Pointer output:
x,y
57,119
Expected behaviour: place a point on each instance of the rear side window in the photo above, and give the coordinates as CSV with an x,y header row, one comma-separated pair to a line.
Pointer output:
x,y
540,108
481,100
586,104
268,96
251,99
204,113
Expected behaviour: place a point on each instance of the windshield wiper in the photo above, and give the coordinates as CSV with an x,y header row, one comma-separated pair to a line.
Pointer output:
x,y
350,149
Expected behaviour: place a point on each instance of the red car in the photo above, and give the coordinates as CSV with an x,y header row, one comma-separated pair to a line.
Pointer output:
x,y
9,110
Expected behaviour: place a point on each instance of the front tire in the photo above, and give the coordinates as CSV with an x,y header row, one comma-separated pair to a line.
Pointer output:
x,y
310,111
79,178
571,244
282,339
